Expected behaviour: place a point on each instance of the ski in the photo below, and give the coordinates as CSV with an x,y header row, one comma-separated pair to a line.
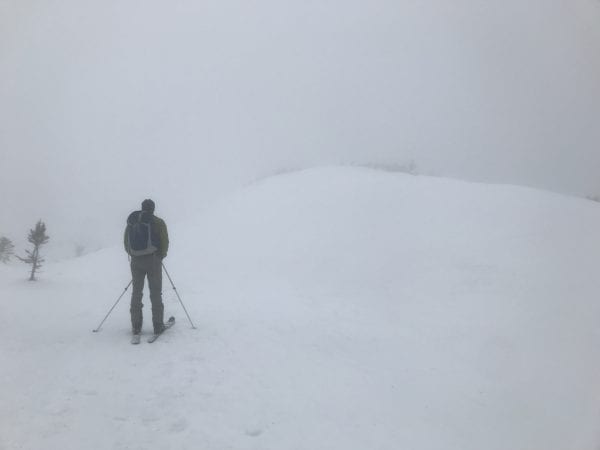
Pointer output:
x,y
135,339
168,325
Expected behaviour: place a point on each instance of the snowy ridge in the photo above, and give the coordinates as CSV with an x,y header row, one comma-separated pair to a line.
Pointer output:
x,y
336,309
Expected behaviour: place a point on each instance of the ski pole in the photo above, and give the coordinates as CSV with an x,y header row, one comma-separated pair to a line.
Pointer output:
x,y
113,307
176,293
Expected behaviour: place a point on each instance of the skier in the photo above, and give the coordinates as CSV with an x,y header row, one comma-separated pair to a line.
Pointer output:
x,y
147,242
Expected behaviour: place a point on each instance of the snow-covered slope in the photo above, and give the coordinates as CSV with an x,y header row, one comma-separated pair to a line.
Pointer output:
x,y
336,309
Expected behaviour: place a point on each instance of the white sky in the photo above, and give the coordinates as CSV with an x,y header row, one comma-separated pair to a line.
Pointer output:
x,y
105,103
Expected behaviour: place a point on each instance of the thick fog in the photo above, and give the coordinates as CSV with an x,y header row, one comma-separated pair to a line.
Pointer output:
x,y
103,104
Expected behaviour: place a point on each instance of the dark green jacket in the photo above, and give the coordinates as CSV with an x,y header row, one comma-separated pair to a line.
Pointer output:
x,y
160,227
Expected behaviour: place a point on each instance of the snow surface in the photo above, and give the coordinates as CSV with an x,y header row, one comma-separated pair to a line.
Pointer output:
x,y
336,309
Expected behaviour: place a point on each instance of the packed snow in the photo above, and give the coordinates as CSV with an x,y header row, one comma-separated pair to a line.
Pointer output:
x,y
336,309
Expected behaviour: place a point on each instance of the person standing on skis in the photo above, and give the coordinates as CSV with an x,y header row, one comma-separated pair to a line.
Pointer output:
x,y
147,242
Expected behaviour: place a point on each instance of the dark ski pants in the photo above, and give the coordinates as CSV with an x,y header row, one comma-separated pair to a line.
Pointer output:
x,y
141,267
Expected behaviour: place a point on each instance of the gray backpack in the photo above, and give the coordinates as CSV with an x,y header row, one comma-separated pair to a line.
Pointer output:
x,y
141,238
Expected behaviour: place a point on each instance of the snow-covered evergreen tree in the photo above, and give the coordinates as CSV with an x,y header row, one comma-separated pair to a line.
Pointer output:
x,y
37,237
6,249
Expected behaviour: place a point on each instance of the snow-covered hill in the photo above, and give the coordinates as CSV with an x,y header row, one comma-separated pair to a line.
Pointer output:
x,y
336,309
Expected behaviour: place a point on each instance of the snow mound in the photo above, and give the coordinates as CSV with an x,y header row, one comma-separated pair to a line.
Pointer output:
x,y
337,308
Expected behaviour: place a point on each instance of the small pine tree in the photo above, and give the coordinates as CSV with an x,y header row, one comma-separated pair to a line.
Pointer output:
x,y
37,237
6,249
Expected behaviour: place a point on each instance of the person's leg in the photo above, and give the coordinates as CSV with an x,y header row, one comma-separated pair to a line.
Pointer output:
x,y
155,285
138,273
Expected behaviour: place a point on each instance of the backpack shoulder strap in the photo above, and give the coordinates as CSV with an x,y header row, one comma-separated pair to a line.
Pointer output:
x,y
134,217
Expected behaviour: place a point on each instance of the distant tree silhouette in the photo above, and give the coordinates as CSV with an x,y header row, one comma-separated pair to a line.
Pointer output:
x,y
37,237
6,249
79,250
594,198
